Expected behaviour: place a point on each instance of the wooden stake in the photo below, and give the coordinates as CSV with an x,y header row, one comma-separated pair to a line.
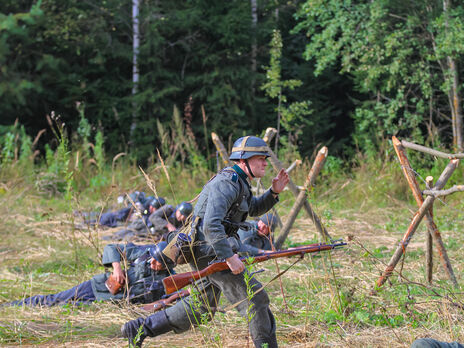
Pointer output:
x,y
437,193
428,242
423,210
296,191
302,196
431,226
221,149
269,134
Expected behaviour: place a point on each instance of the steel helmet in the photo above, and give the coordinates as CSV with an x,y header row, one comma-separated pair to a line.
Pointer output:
x,y
136,196
269,220
157,253
158,202
185,208
249,146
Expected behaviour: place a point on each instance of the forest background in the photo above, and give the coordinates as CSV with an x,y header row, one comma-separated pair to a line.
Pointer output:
x,y
348,74
74,129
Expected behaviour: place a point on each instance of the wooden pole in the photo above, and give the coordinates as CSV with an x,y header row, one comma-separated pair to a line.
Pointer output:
x,y
423,210
429,240
302,196
296,191
269,134
431,226
221,149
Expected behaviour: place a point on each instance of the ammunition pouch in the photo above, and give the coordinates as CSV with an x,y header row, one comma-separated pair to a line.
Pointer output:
x,y
181,243
231,228
112,285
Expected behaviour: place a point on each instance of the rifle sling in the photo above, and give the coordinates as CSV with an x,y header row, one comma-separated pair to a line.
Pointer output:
x,y
262,288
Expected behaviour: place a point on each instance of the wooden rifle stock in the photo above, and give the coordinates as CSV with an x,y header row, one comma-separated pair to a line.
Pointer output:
x,y
175,282
160,304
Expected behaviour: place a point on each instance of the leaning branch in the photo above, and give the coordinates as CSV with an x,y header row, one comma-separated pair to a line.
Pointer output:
x,y
430,151
437,193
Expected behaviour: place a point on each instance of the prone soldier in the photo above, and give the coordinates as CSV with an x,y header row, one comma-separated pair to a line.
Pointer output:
x,y
169,219
141,227
258,239
147,267
118,217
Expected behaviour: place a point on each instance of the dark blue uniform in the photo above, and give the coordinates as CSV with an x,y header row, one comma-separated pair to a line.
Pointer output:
x,y
144,284
114,219
431,343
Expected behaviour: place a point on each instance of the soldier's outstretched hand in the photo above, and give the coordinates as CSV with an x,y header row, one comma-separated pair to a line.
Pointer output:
x,y
280,181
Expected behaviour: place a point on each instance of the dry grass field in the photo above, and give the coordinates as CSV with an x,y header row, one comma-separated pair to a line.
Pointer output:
x,y
325,300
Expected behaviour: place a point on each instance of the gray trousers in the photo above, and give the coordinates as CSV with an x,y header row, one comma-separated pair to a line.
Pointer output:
x,y
431,343
201,307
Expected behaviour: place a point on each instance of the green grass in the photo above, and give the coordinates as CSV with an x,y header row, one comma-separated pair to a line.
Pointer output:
x,y
330,300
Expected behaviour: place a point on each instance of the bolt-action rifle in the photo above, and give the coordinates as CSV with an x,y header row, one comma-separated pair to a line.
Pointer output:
x,y
163,303
175,282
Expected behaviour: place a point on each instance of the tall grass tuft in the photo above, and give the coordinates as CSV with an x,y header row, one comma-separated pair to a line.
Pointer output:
x,y
57,179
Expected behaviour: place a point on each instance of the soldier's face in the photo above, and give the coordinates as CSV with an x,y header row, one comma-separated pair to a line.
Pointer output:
x,y
263,229
258,165
179,216
156,266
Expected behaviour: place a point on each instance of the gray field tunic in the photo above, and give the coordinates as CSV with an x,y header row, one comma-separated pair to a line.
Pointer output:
x,y
252,242
144,284
215,200
161,217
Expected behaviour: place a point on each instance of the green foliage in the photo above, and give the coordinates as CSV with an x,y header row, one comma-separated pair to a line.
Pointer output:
x,y
248,276
59,177
58,161
15,147
100,179
55,54
292,116
179,144
99,150
25,154
334,165
84,128
7,154
395,60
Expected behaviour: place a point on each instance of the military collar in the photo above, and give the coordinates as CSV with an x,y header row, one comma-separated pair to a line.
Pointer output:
x,y
241,174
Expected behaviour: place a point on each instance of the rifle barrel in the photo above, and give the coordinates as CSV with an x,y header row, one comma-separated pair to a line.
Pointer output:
x,y
178,281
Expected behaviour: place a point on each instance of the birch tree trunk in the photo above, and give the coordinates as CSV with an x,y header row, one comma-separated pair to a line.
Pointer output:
x,y
135,53
254,25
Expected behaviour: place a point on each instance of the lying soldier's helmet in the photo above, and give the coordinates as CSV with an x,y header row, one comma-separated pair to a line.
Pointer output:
x,y
148,199
135,196
269,220
185,208
249,146
157,254
158,202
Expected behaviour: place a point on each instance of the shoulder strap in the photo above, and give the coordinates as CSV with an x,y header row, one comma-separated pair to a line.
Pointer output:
x,y
234,207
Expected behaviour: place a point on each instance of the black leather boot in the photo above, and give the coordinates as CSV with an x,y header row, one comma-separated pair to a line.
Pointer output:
x,y
130,331
271,342
154,325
